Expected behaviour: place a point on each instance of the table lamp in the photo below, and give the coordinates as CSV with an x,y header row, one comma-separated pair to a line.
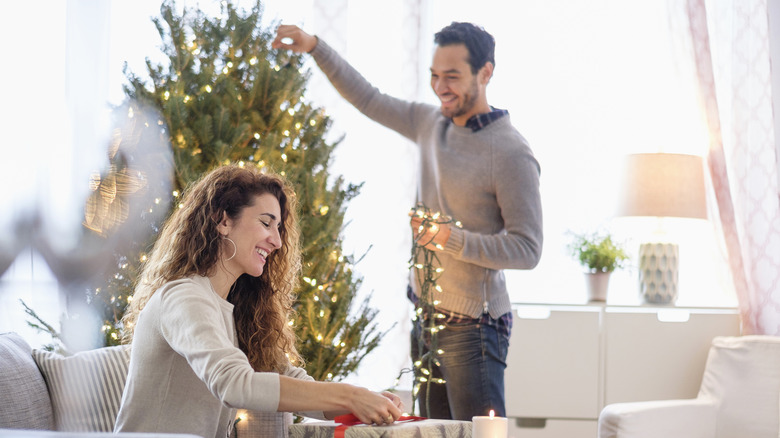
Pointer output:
x,y
662,185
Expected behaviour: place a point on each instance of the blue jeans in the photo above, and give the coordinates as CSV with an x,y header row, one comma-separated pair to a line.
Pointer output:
x,y
472,364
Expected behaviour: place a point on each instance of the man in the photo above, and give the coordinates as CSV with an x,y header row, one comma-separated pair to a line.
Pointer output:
x,y
477,169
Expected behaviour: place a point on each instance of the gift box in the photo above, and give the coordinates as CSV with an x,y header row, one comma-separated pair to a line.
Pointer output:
x,y
426,428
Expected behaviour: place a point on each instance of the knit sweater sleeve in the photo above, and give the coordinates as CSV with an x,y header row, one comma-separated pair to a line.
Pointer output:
x,y
193,326
406,118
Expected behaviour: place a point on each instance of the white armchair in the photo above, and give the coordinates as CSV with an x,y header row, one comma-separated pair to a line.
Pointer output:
x,y
739,397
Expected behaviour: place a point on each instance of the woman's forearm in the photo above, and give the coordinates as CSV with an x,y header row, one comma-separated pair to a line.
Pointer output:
x,y
334,399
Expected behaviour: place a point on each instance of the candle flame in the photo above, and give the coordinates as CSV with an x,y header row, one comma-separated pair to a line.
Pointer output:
x,y
492,413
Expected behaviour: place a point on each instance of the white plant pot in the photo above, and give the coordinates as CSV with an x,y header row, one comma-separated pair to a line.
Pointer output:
x,y
598,283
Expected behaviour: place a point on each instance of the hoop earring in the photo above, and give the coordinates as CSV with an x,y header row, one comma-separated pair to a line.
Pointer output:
x,y
235,248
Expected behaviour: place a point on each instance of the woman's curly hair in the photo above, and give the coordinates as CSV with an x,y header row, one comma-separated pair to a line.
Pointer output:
x,y
189,244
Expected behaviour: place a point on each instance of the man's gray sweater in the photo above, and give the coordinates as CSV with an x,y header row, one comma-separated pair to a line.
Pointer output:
x,y
488,180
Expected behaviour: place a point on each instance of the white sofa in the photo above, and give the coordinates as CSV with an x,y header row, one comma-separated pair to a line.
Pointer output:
x,y
739,397
41,390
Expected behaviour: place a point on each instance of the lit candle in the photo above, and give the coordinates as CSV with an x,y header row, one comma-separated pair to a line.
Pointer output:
x,y
489,427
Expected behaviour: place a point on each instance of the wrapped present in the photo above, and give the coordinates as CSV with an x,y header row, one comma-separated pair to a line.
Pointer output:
x,y
405,427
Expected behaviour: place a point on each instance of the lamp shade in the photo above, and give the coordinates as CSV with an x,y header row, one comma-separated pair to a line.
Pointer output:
x,y
669,185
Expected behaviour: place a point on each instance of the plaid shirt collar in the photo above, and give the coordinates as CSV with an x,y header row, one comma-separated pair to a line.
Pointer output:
x,y
479,121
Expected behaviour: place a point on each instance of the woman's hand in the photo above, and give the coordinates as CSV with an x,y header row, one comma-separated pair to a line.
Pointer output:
x,y
336,398
291,37
375,408
395,399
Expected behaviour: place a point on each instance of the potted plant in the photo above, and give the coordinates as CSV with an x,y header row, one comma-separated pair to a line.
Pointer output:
x,y
600,256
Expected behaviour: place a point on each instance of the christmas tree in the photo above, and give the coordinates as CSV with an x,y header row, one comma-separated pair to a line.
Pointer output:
x,y
225,97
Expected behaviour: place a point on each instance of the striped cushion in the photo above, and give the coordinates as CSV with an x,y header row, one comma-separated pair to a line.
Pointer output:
x,y
85,388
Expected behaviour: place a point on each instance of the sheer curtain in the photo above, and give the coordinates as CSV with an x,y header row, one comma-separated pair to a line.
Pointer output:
x,y
731,51
54,85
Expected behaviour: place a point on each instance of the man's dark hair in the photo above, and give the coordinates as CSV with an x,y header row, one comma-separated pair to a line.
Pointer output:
x,y
480,44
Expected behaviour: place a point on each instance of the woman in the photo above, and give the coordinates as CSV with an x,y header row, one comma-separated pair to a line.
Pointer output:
x,y
208,320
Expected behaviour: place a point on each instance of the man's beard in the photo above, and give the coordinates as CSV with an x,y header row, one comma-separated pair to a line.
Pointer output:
x,y
467,104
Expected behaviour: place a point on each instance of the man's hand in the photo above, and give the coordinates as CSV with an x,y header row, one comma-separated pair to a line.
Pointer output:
x,y
291,37
434,236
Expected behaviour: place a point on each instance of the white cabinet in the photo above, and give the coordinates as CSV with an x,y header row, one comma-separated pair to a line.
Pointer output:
x,y
554,355
546,428
565,363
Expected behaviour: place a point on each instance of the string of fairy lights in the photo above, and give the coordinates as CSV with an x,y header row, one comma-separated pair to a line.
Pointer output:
x,y
428,269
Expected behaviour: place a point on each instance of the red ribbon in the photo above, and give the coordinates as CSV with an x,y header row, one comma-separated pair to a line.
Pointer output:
x,y
348,420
